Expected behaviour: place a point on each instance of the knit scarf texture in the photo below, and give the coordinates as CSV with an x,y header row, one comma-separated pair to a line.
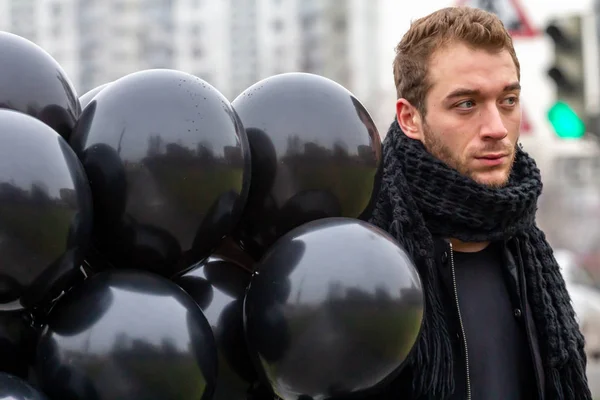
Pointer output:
x,y
421,198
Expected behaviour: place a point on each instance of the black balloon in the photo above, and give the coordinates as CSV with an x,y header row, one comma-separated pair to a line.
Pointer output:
x,y
45,212
127,335
315,154
86,98
168,161
17,343
33,82
230,249
333,309
14,388
218,286
94,262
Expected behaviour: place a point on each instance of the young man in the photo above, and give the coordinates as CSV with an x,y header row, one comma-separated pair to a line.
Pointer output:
x,y
461,195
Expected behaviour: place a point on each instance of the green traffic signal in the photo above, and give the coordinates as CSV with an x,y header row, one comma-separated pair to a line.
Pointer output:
x,y
565,121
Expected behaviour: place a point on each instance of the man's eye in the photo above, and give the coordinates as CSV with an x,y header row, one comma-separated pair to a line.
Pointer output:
x,y
466,104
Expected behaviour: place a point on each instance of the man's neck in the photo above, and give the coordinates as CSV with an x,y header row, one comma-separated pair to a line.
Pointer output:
x,y
468,247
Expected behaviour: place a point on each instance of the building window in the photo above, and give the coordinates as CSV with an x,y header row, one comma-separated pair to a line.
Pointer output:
x,y
56,9
197,52
196,30
119,6
340,24
308,21
278,25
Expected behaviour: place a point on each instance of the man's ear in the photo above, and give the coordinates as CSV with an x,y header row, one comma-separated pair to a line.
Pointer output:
x,y
409,119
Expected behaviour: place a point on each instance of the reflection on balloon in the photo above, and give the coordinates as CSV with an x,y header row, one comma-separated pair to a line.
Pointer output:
x,y
45,212
333,309
230,250
169,173
315,154
127,335
33,83
14,388
86,98
218,287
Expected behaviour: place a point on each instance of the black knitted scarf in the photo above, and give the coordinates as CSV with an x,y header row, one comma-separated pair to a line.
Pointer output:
x,y
421,197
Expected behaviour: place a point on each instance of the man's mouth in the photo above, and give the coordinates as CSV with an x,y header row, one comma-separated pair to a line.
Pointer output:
x,y
492,159
493,156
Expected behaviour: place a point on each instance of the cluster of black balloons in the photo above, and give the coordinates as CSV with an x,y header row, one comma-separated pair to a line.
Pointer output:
x,y
160,242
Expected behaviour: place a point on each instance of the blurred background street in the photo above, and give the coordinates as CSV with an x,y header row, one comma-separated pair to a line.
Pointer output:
x,y
234,43
594,378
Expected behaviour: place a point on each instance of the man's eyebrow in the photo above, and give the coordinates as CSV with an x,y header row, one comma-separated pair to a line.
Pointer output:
x,y
513,87
460,92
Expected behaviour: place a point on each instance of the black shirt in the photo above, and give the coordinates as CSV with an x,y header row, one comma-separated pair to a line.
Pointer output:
x,y
500,363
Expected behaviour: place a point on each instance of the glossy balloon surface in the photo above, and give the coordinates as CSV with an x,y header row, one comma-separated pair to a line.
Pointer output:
x,y
333,309
14,388
45,212
230,249
87,97
219,286
169,167
33,83
315,154
127,335
17,343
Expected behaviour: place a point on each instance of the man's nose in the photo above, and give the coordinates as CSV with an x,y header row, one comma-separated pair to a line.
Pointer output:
x,y
492,124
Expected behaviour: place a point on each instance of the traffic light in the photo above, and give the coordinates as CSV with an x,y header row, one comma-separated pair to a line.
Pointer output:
x,y
567,115
567,124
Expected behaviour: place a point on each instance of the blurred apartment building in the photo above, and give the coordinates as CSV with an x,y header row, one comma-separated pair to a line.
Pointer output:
x,y
229,43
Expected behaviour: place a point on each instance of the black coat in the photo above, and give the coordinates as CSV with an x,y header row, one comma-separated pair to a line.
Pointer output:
x,y
400,388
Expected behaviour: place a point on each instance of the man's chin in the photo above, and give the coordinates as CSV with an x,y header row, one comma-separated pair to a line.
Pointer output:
x,y
495,179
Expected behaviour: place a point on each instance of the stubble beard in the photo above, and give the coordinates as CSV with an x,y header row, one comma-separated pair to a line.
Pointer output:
x,y
440,151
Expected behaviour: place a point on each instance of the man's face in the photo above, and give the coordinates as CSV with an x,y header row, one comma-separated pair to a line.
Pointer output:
x,y
473,112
